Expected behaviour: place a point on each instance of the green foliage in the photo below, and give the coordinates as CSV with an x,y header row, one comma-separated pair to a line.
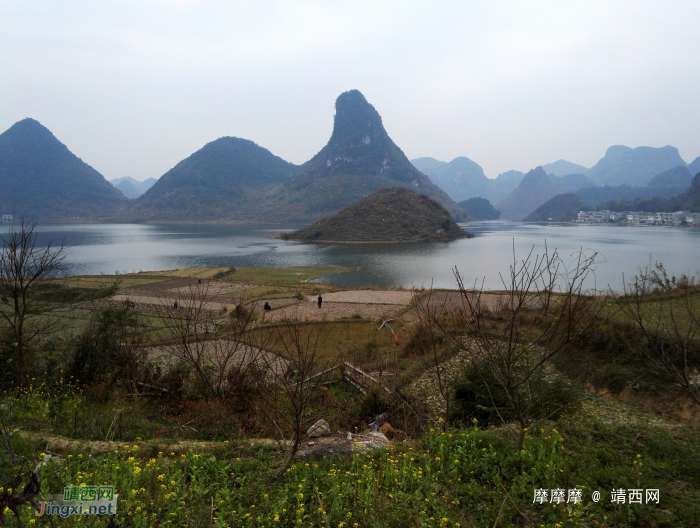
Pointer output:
x,y
109,344
480,209
561,208
42,179
457,478
393,214
478,394
687,201
207,184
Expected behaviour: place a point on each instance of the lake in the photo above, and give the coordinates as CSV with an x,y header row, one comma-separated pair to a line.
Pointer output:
x,y
110,248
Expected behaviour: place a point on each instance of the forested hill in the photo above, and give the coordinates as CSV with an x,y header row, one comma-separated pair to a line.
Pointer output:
x,y
225,179
40,179
389,215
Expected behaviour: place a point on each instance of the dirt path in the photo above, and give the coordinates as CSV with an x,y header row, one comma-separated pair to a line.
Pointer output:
x,y
450,301
401,298
309,311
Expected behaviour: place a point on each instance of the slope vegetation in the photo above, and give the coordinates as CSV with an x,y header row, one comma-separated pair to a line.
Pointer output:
x,y
561,208
40,179
222,180
359,159
389,215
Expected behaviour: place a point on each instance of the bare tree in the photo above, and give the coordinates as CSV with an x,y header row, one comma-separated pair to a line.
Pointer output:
x,y
218,351
666,315
511,337
287,388
23,267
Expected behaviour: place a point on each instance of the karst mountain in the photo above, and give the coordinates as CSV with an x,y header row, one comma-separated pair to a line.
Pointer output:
x,y
359,159
40,179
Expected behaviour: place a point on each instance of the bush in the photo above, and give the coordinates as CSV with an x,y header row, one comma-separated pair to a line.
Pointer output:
x,y
479,395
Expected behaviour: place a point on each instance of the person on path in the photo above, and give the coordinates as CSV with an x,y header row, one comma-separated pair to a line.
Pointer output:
x,y
320,301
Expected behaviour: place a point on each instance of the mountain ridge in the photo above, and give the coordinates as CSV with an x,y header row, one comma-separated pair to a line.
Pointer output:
x,y
41,179
359,159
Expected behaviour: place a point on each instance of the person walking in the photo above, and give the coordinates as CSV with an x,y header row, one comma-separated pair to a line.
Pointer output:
x,y
320,301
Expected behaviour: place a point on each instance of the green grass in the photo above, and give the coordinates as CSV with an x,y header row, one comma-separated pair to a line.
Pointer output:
x,y
458,478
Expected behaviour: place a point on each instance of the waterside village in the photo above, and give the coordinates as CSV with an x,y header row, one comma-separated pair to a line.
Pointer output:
x,y
677,218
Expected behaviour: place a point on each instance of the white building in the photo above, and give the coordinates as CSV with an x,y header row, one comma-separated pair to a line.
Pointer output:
x,y
595,217
693,219
7,218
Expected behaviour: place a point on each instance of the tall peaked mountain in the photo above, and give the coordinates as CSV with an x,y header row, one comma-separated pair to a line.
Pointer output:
x,y
40,179
562,168
221,180
633,166
535,188
359,159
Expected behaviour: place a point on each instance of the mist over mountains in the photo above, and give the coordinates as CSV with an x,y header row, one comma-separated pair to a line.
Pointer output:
x,y
132,188
234,179
623,173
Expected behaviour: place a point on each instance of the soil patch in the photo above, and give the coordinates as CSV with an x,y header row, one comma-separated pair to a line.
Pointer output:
x,y
308,311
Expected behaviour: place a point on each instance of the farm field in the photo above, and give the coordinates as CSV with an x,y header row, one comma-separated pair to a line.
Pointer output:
x,y
163,403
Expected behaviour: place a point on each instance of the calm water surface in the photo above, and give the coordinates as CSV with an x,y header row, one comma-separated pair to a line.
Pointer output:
x,y
106,248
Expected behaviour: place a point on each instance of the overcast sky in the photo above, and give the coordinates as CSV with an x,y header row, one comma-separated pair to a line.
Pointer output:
x,y
133,87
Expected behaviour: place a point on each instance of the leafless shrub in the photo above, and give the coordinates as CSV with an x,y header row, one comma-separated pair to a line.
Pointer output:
x,y
284,396
509,342
666,314
215,349
23,267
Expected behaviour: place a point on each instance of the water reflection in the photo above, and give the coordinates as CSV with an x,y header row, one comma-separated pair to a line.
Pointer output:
x,y
106,248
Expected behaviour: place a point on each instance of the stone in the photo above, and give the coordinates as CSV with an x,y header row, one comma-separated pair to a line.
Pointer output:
x,y
319,429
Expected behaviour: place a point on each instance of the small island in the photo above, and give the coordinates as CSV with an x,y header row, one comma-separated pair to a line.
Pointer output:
x,y
393,214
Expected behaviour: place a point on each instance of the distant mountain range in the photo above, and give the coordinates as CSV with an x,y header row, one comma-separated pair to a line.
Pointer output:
x,y
480,209
462,178
561,208
565,207
233,179
40,179
132,188
536,188
563,168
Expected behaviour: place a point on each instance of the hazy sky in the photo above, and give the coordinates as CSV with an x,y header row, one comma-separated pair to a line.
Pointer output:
x,y
133,87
